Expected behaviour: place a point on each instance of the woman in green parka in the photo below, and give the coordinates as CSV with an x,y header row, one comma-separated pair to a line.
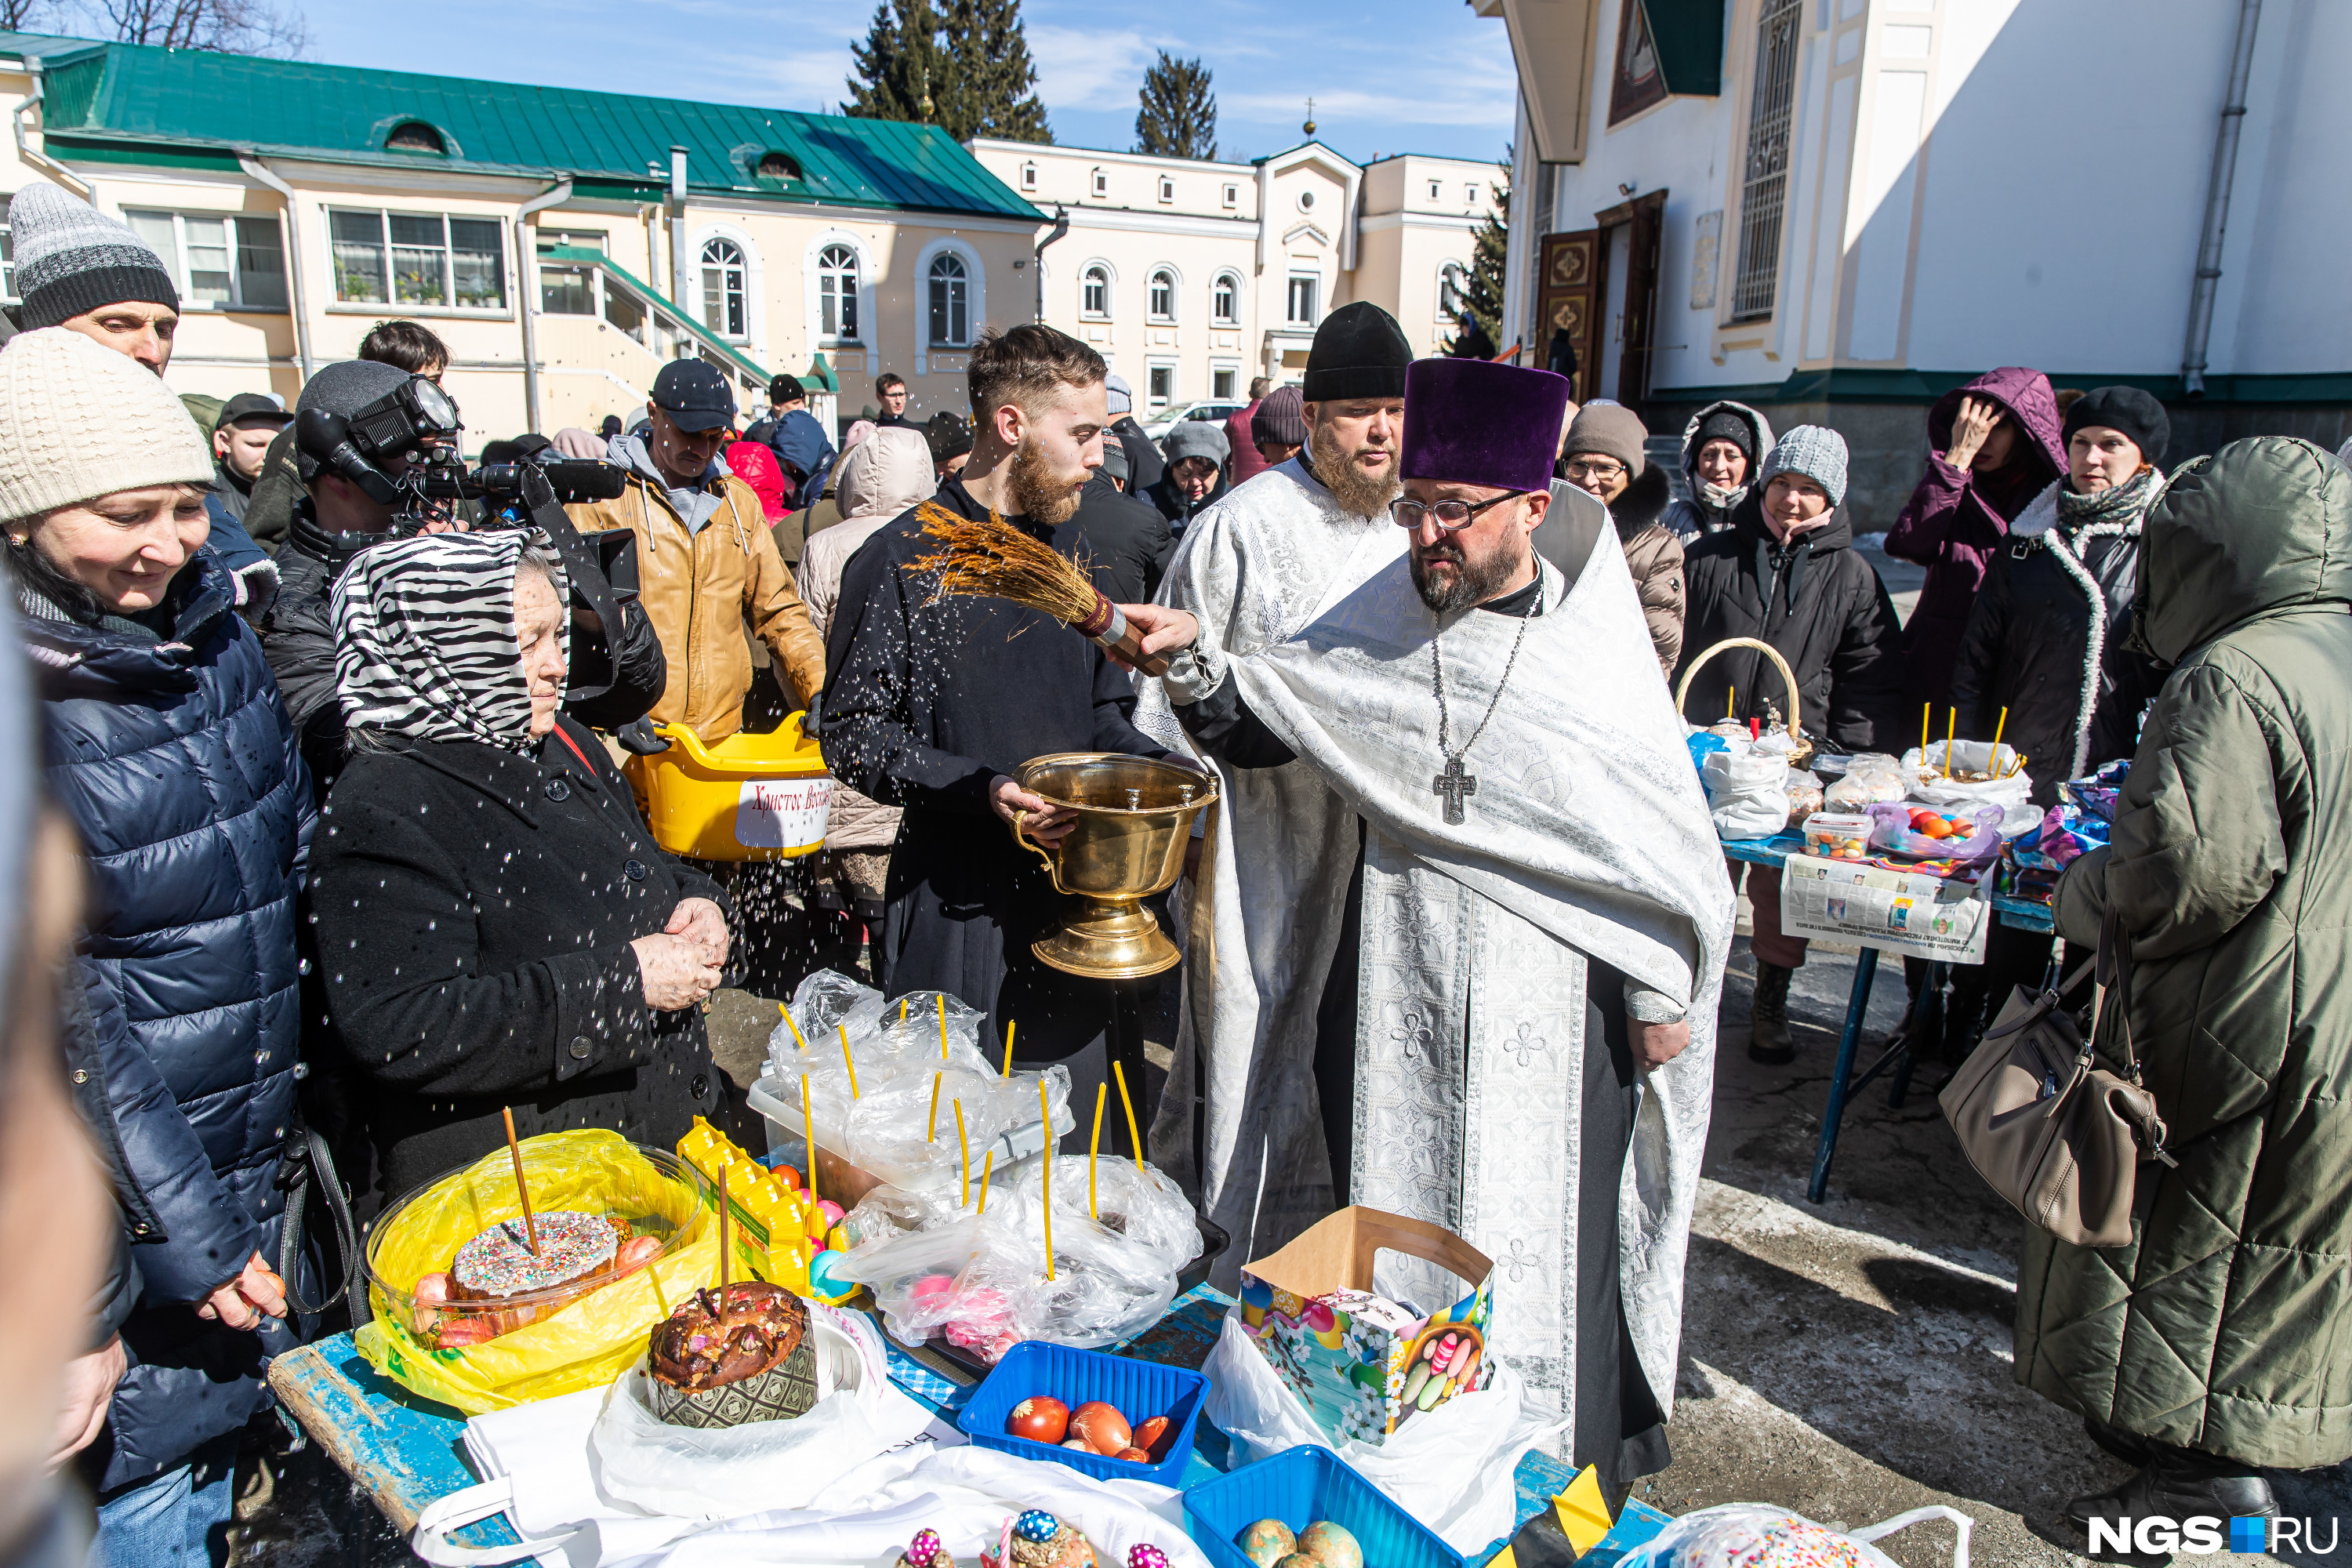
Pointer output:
x,y
2220,1341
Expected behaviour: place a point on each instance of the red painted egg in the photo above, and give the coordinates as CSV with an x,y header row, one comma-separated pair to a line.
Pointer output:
x,y
1134,1455
1040,1419
1104,1428
1151,1435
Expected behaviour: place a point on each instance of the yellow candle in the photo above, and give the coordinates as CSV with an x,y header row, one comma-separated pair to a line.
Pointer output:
x,y
845,1059
1951,722
987,1165
808,1133
795,1028
1134,1141
943,1026
1094,1148
1924,709
964,1145
2001,724
1045,1173
931,1133
1010,1025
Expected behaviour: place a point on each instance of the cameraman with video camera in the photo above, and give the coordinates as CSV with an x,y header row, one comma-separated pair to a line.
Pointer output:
x,y
376,448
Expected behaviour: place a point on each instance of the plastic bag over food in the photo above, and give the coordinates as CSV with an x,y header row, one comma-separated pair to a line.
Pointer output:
x,y
885,1124
1871,778
1965,773
1751,1535
591,1340
979,1280
1933,833
1746,795
1138,1201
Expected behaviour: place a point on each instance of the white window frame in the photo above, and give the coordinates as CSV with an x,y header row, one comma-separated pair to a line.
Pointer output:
x,y
181,275
383,216
1226,367
1233,194
1029,176
1109,290
1433,186
755,290
734,272
1470,194
813,303
1153,368
1098,183
1151,287
1167,189
1225,281
975,300
1445,270
1290,316
840,282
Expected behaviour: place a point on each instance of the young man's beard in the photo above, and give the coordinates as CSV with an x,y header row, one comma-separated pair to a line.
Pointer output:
x,y
1474,580
1039,493
1360,492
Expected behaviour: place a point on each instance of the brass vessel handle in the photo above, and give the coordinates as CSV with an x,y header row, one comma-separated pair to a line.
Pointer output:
x,y
1052,866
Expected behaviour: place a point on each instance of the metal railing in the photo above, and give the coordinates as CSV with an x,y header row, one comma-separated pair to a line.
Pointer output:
x,y
1764,183
575,280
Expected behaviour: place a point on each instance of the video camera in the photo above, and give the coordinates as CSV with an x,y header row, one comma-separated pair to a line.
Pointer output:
x,y
417,417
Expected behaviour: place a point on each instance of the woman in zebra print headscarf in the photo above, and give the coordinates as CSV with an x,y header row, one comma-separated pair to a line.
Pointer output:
x,y
495,926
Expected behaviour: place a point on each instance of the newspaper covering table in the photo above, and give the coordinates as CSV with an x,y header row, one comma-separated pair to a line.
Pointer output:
x,y
1944,921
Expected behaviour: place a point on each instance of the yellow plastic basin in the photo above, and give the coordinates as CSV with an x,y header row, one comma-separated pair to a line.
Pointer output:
x,y
750,797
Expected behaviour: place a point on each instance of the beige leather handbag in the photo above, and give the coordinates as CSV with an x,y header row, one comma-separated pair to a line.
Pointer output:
x,y
2054,1128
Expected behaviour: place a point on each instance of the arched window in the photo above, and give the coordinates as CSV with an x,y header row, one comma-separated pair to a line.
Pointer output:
x,y
414,136
1163,295
723,288
1225,300
950,294
1452,289
837,294
1093,290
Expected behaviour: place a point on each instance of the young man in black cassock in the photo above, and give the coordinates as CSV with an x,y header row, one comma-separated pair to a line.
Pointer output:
x,y
934,702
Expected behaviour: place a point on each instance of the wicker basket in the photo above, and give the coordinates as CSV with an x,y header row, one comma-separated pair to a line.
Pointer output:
x,y
1802,754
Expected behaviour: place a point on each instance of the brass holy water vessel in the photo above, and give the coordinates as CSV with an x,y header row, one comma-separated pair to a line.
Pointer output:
x,y
1134,819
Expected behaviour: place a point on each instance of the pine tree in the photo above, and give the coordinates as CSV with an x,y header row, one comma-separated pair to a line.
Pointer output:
x,y
995,80
1179,117
901,71
1488,260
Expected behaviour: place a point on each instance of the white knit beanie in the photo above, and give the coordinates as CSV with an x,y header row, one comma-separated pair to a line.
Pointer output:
x,y
79,421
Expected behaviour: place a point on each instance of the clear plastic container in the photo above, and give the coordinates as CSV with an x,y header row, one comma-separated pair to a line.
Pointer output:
x,y
651,1190
1838,835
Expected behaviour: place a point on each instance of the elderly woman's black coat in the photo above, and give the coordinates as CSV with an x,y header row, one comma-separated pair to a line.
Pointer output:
x,y
474,910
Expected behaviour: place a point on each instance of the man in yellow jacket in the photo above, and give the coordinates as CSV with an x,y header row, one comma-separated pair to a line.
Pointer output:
x,y
706,565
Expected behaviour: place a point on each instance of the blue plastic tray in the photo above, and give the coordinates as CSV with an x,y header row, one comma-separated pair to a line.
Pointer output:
x,y
1299,1487
1138,1390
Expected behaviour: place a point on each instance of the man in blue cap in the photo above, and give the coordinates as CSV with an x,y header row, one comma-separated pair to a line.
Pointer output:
x,y
1517,1005
706,564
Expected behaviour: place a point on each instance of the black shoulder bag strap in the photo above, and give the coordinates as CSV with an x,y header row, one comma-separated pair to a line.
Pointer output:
x,y
305,1159
580,564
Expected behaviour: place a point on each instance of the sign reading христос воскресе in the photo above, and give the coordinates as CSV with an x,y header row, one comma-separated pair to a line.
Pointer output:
x,y
2200,1535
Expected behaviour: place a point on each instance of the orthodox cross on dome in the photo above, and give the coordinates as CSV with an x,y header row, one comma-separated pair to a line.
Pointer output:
x,y
1309,126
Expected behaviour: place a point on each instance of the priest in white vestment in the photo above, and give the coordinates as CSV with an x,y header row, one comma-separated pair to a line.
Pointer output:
x,y
1491,1005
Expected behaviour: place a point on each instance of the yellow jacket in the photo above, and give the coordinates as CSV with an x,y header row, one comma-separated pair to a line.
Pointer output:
x,y
700,590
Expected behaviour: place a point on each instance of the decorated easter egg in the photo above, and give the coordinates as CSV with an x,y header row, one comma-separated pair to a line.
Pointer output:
x,y
787,1177
1040,1418
1318,1317
925,1549
832,1212
1253,1317
1256,1292
1104,1428
824,1277
1036,1525
1297,1561
1143,1555
1080,1444
1151,1437
1330,1545
1133,1456
931,1285
1267,1543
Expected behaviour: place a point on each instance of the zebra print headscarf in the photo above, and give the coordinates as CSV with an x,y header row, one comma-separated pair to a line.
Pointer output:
x,y
425,637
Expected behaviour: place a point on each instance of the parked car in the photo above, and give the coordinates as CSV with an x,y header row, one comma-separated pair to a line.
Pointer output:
x,y
1158,426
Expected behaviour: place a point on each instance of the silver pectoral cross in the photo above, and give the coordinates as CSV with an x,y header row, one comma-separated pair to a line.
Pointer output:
x,y
1455,784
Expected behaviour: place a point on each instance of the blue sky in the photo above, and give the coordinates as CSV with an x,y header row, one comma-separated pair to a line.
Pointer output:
x,y
1387,76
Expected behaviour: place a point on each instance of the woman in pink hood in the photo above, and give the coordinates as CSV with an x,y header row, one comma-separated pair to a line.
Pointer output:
x,y
1996,448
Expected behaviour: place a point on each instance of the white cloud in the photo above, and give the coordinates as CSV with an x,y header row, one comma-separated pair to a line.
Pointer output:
x,y
1089,68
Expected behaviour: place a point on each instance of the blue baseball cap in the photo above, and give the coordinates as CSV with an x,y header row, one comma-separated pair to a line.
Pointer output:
x,y
694,395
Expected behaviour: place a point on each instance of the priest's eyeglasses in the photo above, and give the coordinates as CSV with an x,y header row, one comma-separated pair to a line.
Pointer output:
x,y
1449,515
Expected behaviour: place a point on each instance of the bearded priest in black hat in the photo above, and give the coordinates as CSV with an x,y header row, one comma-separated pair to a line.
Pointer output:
x,y
1510,970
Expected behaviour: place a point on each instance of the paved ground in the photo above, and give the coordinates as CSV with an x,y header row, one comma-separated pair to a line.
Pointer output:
x,y
1848,1361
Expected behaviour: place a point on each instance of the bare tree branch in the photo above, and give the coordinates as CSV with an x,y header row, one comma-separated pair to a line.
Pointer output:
x,y
229,27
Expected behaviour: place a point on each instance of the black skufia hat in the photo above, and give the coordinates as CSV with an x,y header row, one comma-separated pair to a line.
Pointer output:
x,y
1359,352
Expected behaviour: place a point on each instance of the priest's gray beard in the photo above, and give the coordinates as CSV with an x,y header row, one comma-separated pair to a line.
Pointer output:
x,y
1359,493
1040,492
1470,580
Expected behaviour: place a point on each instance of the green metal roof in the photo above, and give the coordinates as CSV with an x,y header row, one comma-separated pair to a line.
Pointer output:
x,y
117,99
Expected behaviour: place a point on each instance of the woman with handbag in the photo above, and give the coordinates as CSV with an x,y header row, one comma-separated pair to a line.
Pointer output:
x,y
2209,1345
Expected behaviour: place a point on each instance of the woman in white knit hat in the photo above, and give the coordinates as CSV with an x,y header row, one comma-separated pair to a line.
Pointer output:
x,y
168,748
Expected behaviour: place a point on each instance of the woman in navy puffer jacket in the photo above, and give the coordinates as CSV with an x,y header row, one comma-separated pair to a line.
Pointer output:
x,y
166,743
